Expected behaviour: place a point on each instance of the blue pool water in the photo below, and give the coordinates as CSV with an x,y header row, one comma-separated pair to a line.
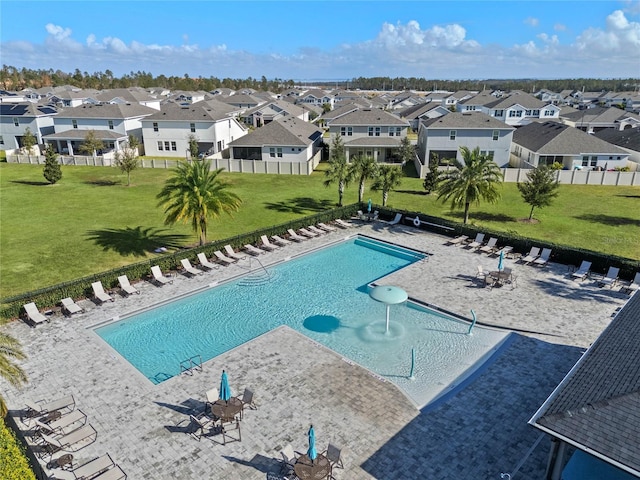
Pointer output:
x,y
324,295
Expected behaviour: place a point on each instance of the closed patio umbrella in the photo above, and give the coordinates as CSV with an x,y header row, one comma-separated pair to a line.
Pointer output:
x,y
225,390
312,453
501,261
369,206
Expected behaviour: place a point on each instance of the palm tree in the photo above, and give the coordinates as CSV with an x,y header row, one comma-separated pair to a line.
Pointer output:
x,y
10,349
338,171
389,177
363,168
196,193
476,179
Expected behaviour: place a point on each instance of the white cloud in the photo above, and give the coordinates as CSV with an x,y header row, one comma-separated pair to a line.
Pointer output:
x,y
58,32
532,22
620,36
559,27
449,36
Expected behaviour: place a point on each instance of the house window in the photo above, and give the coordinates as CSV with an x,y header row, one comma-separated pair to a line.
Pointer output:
x,y
470,108
495,135
536,113
499,113
110,124
374,131
395,131
279,152
515,113
528,113
193,127
160,146
166,146
272,152
346,131
548,113
1,140
155,126
487,153
74,123
16,122
589,160
174,147
452,134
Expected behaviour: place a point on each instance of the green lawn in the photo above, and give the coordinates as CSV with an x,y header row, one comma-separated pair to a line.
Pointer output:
x,y
91,221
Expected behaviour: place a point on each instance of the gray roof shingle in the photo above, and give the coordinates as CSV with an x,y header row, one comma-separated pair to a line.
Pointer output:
x,y
107,110
288,131
367,116
466,120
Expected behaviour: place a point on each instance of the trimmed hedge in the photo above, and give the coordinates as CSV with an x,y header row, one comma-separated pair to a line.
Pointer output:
x,y
14,464
49,297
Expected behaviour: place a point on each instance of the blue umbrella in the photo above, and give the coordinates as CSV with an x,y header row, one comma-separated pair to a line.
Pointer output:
x,y
369,206
501,261
225,390
312,453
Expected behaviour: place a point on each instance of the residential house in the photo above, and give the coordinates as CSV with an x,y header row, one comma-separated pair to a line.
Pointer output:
x,y
598,118
225,92
243,102
443,136
628,140
167,132
371,132
316,97
519,108
286,139
15,118
422,111
131,96
112,123
272,110
547,96
594,413
15,97
188,98
452,100
73,98
546,143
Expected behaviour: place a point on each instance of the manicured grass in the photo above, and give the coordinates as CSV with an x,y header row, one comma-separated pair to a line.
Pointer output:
x,y
91,221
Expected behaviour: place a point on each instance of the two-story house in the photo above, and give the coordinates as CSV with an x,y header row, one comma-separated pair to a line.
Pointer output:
x,y
443,136
129,95
272,110
15,118
595,119
516,109
371,132
167,132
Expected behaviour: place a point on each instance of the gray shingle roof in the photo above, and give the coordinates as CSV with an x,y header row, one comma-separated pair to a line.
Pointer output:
x,y
107,110
599,115
552,138
287,131
597,407
25,110
523,99
629,138
201,111
373,116
466,120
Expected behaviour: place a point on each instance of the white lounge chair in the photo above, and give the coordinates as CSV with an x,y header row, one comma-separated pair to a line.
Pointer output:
x,y
458,240
506,250
490,246
543,259
316,230
396,219
477,242
531,256
71,307
159,277
583,270
99,293
254,250
611,278
326,227
33,314
280,241
266,244
70,442
202,258
190,269
231,253
307,233
94,467
126,286
634,286
34,409
64,424
341,223
222,258
294,236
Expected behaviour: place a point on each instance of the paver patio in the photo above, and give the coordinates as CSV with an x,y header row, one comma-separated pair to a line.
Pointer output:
x,y
475,432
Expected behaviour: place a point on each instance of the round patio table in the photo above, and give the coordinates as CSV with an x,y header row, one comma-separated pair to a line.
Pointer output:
x,y
306,470
226,410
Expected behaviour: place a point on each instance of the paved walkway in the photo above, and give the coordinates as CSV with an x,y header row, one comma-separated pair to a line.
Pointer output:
x,y
474,433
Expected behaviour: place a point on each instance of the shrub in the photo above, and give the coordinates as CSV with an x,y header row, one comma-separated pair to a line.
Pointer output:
x,y
14,464
622,169
556,166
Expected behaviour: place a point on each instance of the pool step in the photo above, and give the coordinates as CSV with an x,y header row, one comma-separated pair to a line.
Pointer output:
x,y
255,279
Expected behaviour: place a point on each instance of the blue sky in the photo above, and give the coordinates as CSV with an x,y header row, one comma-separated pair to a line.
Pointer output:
x,y
304,40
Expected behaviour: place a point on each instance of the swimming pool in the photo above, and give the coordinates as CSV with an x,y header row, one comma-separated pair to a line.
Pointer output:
x,y
323,295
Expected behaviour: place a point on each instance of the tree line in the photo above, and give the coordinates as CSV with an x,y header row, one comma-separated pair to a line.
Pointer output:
x,y
12,78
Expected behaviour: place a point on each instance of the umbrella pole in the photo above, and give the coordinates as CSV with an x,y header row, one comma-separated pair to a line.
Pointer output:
x,y
387,319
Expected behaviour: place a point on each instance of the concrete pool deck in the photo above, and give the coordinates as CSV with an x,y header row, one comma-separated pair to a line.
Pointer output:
x,y
476,432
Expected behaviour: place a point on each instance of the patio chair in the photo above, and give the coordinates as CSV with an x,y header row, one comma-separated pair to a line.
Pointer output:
x,y
583,271
376,216
204,261
361,216
633,286
316,230
70,442
190,269
477,242
126,286
247,400
611,278
62,424
222,258
71,307
482,273
212,397
543,259
294,236
94,467
490,246
307,233
39,408
531,256
396,219
341,223
333,455
34,315
266,244
254,250
99,293
231,253
280,241
458,240
201,422
288,458
159,277
326,227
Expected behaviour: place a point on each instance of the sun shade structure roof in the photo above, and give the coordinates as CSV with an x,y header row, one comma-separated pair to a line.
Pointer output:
x,y
388,294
